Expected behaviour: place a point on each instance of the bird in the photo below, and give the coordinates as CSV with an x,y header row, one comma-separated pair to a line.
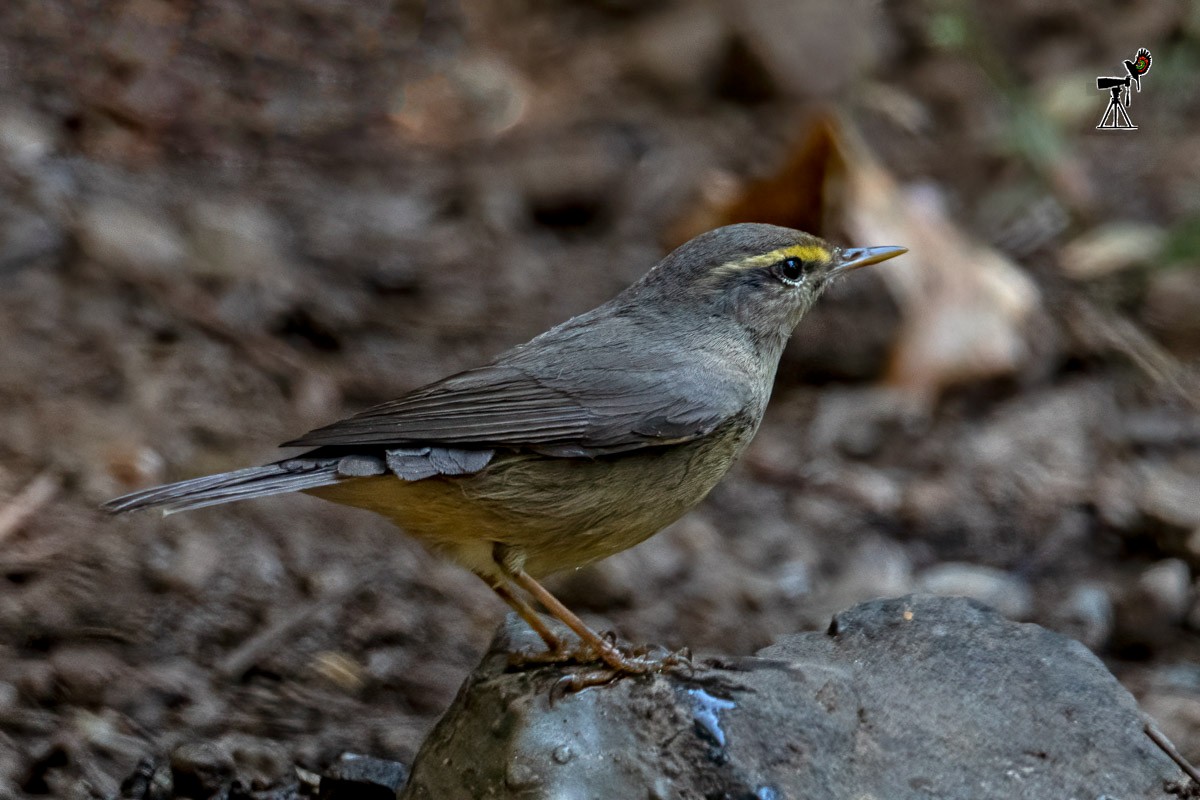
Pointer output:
x,y
578,444
1139,66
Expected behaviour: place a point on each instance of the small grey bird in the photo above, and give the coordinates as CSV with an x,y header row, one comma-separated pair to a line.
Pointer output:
x,y
579,443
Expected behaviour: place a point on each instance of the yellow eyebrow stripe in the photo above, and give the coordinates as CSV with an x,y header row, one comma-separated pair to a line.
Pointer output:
x,y
804,252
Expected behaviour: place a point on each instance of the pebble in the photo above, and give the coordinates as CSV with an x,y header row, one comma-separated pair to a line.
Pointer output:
x,y
24,138
1112,248
144,33
1172,297
1149,611
84,672
132,242
681,48
200,770
1003,591
473,98
353,226
340,669
880,567
236,240
26,236
260,762
34,679
187,564
790,39
1167,585
857,422
1171,494
1087,615
521,776
873,489
149,781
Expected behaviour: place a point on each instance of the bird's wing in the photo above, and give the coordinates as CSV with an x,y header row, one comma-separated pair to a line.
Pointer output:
x,y
584,403
1142,61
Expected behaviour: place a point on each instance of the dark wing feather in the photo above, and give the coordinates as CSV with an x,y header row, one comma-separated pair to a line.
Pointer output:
x,y
483,407
595,396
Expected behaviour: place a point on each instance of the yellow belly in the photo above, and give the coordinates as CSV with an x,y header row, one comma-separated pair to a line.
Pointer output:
x,y
556,513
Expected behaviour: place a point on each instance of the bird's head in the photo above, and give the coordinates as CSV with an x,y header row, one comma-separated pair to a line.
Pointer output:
x,y
763,276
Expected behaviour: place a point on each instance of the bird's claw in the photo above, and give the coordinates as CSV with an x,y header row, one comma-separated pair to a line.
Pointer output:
x,y
618,662
615,660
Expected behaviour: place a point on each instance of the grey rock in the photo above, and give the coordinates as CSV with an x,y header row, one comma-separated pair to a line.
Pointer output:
x,y
914,697
356,777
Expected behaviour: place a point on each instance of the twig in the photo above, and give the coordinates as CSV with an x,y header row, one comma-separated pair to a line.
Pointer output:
x,y
1164,744
251,650
27,502
1125,336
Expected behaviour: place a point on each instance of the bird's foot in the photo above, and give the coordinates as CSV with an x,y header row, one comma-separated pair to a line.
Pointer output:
x,y
619,657
616,661
563,653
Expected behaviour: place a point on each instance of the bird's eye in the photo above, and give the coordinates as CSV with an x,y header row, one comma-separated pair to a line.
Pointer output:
x,y
791,270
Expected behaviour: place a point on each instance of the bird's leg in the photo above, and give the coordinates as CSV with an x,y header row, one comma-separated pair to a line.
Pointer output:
x,y
524,611
592,645
592,641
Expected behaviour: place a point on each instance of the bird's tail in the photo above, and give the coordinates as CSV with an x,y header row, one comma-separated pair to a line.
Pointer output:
x,y
293,475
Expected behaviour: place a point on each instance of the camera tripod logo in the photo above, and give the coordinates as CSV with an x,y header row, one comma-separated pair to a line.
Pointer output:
x,y
1116,118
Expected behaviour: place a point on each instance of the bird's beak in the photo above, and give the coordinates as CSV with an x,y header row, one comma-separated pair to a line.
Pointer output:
x,y
855,257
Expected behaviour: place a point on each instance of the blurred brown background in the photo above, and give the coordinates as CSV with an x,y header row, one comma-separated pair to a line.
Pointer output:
x,y
223,223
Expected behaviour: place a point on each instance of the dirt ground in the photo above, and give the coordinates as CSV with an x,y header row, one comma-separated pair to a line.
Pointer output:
x,y
220,228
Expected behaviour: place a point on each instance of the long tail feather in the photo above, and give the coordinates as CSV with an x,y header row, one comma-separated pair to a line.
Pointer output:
x,y
285,476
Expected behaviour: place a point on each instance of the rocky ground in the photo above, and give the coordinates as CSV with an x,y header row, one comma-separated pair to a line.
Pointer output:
x,y
220,229
911,697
